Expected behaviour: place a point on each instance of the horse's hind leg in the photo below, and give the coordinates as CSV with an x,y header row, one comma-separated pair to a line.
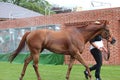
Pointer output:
x,y
27,61
70,67
80,59
35,55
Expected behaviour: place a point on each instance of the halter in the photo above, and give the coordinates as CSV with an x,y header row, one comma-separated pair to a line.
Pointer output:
x,y
107,34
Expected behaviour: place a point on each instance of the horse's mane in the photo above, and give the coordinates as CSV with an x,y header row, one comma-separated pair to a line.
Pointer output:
x,y
82,24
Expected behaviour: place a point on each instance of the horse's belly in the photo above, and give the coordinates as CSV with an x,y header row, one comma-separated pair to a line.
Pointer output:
x,y
58,49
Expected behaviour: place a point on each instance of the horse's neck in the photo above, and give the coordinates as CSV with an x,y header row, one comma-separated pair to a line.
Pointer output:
x,y
93,30
88,35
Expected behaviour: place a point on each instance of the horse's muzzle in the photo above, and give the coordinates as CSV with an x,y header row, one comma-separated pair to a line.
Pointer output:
x,y
113,41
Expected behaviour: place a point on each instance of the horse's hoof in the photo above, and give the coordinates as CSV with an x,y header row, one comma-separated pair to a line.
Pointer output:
x,y
67,78
20,79
39,79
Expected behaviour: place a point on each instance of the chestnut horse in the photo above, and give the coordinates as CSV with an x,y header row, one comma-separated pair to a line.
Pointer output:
x,y
70,40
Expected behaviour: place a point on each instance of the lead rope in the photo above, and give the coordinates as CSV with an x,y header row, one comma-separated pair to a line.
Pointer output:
x,y
107,55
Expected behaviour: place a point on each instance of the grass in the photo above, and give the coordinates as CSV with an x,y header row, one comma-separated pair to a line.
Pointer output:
x,y
54,72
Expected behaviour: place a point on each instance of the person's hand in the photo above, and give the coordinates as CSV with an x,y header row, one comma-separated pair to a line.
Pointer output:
x,y
103,49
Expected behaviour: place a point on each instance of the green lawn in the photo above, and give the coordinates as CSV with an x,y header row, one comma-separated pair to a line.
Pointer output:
x,y
54,72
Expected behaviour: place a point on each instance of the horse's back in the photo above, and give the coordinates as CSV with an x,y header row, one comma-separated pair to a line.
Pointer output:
x,y
46,38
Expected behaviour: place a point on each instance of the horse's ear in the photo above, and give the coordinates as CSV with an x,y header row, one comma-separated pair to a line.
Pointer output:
x,y
106,22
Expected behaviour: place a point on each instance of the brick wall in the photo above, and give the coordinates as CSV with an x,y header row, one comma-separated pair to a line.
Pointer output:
x,y
111,14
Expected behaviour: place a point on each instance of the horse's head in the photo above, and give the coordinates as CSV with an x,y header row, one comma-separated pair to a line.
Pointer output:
x,y
106,34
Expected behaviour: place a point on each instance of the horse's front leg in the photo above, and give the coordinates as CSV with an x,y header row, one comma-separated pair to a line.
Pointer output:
x,y
27,61
80,59
72,59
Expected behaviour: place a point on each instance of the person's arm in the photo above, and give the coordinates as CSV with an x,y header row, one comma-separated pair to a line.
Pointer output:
x,y
103,49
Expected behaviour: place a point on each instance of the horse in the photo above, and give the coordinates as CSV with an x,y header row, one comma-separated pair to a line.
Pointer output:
x,y
70,40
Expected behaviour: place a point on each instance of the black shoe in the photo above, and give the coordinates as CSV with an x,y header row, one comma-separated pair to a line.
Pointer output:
x,y
98,79
86,74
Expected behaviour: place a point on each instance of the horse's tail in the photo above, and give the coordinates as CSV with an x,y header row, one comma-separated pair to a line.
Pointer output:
x,y
20,47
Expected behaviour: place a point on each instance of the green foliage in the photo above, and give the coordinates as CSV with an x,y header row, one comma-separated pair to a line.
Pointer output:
x,y
33,6
40,6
